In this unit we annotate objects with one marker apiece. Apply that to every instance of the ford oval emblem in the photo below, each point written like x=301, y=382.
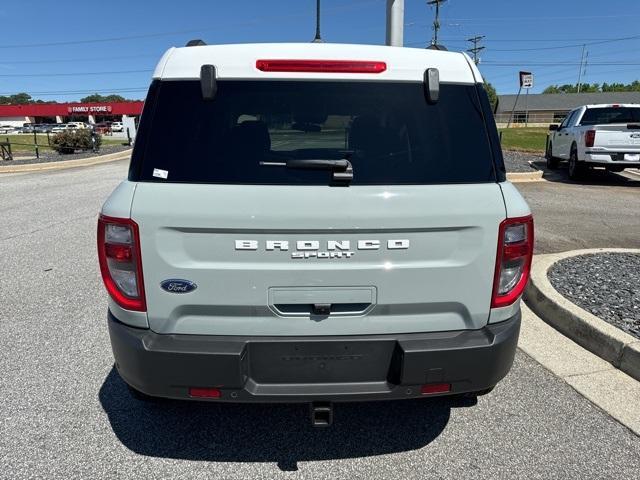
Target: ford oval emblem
x=176, y=285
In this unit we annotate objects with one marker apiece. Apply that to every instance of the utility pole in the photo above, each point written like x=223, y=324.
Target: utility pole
x=436, y=21
x=395, y=23
x=580, y=68
x=317, y=38
x=476, y=49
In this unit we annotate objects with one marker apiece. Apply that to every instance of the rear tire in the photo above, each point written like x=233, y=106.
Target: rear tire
x=576, y=169
x=552, y=162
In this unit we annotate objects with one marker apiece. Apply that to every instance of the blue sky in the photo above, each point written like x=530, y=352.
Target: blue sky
x=519, y=35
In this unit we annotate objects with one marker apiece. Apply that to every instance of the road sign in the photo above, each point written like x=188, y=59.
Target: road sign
x=526, y=80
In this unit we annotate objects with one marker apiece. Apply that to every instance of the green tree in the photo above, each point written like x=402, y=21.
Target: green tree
x=491, y=93
x=17, y=99
x=594, y=87
x=97, y=98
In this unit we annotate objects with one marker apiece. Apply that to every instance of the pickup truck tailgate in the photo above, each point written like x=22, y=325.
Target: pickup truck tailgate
x=616, y=137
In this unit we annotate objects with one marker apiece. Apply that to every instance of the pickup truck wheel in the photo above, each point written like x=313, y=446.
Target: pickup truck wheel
x=552, y=162
x=575, y=168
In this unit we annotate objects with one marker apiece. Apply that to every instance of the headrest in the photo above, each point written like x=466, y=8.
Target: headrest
x=251, y=135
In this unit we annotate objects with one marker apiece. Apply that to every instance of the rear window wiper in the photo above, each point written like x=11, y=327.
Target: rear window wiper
x=342, y=169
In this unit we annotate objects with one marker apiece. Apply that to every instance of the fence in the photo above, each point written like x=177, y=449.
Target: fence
x=7, y=150
x=524, y=118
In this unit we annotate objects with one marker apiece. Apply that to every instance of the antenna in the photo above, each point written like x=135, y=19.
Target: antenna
x=317, y=38
x=436, y=21
x=476, y=49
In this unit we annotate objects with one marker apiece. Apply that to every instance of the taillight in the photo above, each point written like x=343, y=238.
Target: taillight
x=589, y=138
x=321, y=66
x=120, y=261
x=513, y=260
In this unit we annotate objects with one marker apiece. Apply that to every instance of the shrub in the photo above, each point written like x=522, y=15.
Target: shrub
x=72, y=140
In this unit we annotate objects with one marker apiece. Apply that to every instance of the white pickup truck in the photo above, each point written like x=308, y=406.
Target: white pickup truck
x=596, y=136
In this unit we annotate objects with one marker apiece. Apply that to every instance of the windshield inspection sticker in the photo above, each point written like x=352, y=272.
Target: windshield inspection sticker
x=160, y=173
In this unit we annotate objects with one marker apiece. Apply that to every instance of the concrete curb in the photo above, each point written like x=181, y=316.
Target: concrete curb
x=608, y=342
x=81, y=162
x=518, y=177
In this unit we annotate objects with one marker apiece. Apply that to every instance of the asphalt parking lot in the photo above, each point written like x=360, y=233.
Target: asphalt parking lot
x=601, y=210
x=64, y=412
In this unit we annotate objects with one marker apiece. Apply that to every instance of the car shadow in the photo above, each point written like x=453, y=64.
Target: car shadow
x=594, y=176
x=279, y=433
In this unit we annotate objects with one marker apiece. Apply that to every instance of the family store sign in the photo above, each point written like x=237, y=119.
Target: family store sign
x=89, y=109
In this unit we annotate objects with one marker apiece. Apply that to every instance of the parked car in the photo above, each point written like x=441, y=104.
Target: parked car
x=596, y=136
x=102, y=128
x=371, y=255
x=117, y=127
x=28, y=128
x=9, y=129
x=43, y=128
x=59, y=127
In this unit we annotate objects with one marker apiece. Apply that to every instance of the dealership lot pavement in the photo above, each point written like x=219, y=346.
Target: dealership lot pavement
x=64, y=412
x=603, y=210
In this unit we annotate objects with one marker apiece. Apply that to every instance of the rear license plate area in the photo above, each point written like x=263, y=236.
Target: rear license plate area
x=320, y=362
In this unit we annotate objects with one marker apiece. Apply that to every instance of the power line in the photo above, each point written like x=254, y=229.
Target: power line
x=552, y=17
x=555, y=47
x=558, y=47
x=253, y=21
x=106, y=40
x=553, y=64
x=529, y=40
x=73, y=60
x=66, y=74
x=90, y=90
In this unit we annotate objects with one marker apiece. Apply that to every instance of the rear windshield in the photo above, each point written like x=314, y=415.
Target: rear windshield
x=605, y=115
x=386, y=130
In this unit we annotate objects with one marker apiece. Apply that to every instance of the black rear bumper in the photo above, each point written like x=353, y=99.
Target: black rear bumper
x=309, y=369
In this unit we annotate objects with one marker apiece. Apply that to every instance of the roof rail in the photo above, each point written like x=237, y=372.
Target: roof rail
x=196, y=42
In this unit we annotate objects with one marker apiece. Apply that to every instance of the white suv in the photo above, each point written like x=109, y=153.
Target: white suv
x=333, y=224
x=117, y=127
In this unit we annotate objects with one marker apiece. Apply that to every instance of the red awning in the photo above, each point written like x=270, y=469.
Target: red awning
x=66, y=109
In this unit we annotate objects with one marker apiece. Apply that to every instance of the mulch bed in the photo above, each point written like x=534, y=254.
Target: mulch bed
x=606, y=284
x=51, y=156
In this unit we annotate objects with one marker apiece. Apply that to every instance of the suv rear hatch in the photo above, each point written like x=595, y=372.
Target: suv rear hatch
x=409, y=245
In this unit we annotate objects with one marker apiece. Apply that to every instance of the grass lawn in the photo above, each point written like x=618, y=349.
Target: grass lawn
x=531, y=139
x=17, y=140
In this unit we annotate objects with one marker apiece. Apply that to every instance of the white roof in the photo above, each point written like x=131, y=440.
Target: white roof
x=610, y=105
x=239, y=62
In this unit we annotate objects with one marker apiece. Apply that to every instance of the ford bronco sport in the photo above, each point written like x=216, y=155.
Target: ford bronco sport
x=333, y=223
